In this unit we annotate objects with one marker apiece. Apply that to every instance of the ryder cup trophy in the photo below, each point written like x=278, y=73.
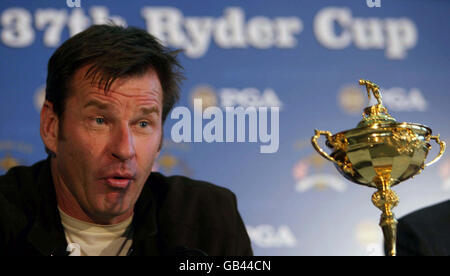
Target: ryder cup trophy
x=380, y=153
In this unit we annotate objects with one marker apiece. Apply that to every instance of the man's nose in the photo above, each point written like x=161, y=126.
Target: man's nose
x=122, y=143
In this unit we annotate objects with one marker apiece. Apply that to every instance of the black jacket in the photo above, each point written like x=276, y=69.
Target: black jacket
x=173, y=216
x=425, y=232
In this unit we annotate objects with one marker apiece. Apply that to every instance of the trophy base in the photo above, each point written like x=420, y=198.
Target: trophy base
x=389, y=227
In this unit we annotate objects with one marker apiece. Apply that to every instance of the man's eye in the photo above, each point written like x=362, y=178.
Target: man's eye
x=143, y=124
x=99, y=121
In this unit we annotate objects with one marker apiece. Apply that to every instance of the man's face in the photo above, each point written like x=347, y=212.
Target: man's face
x=109, y=142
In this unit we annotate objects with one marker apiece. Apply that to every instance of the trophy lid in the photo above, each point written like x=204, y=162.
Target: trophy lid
x=375, y=114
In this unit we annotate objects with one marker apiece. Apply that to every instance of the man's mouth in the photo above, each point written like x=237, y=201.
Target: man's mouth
x=118, y=182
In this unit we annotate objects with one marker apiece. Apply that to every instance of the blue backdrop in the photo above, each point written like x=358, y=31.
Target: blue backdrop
x=304, y=57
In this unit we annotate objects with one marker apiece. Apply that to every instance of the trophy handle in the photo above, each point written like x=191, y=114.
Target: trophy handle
x=318, y=148
x=441, y=150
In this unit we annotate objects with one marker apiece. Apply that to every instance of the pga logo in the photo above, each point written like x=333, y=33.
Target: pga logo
x=373, y=3
x=73, y=3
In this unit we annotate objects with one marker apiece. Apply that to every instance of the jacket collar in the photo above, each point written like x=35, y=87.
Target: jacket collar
x=47, y=233
x=145, y=227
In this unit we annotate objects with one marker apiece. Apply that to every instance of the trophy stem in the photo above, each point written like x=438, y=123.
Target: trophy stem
x=385, y=199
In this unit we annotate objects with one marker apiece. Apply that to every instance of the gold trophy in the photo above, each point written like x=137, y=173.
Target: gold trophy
x=380, y=153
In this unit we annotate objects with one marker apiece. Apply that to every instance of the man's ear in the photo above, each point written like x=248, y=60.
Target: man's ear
x=49, y=127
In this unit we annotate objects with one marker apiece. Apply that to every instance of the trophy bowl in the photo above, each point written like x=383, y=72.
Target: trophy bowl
x=380, y=153
x=398, y=149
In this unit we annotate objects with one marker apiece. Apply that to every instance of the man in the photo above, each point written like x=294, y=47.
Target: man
x=109, y=91
x=425, y=232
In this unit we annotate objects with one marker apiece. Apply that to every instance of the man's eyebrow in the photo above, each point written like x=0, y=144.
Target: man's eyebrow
x=103, y=106
x=97, y=104
x=149, y=110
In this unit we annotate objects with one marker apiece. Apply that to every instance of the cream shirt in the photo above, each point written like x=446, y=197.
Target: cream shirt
x=88, y=239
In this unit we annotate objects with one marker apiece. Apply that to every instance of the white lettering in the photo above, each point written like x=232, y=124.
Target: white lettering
x=249, y=97
x=229, y=30
x=401, y=36
x=198, y=120
x=241, y=114
x=199, y=29
x=266, y=236
x=56, y=21
x=194, y=34
x=398, y=99
x=264, y=136
x=195, y=266
x=165, y=24
x=368, y=33
x=324, y=27
x=373, y=3
x=73, y=3
x=260, y=32
x=17, y=30
x=286, y=28
x=183, y=125
x=336, y=29
x=78, y=22
x=213, y=130
x=215, y=125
